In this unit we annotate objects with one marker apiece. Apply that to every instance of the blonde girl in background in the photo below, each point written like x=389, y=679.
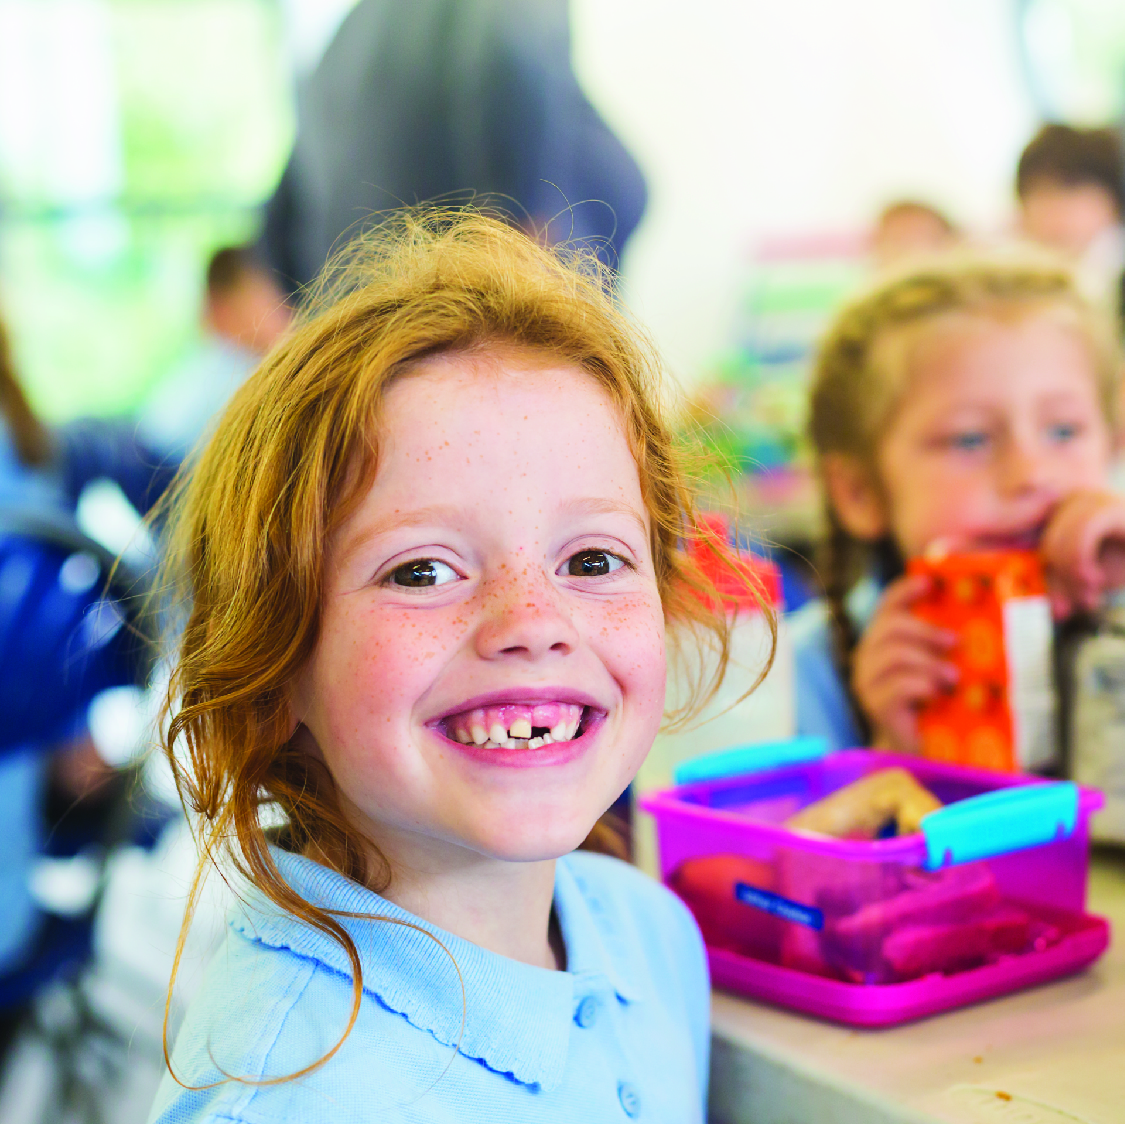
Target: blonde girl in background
x=970, y=402
x=429, y=557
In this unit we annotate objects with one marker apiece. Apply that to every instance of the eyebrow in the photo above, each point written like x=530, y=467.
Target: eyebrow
x=416, y=517
x=593, y=506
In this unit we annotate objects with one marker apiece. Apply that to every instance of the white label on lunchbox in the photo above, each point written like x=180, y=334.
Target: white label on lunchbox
x=1028, y=634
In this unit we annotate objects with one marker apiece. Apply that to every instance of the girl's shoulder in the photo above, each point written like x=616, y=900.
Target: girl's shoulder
x=265, y=1015
x=232, y=1029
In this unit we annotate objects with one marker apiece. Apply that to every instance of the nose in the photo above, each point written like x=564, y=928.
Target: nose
x=524, y=619
x=1023, y=467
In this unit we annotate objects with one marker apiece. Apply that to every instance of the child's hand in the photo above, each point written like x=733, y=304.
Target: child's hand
x=1083, y=548
x=899, y=664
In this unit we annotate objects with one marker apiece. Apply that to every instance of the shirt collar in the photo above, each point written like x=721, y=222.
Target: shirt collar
x=516, y=1017
x=597, y=945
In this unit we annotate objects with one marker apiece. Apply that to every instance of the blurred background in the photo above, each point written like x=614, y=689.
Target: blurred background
x=136, y=136
x=172, y=171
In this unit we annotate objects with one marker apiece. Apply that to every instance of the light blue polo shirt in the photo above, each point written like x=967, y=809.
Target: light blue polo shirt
x=623, y=1034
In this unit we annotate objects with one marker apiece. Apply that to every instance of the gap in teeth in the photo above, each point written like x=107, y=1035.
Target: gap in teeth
x=516, y=726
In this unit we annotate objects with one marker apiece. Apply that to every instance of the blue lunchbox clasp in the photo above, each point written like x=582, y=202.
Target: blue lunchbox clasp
x=996, y=823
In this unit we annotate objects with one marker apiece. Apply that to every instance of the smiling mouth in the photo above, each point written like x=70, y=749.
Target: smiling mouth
x=518, y=725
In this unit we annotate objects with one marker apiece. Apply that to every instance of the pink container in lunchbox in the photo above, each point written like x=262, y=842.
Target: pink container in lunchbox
x=988, y=898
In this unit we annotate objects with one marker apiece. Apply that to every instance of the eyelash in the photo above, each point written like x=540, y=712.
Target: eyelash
x=968, y=442
x=1066, y=431
x=972, y=441
x=626, y=564
x=387, y=580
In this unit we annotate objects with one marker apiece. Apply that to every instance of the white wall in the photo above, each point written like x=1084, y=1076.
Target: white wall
x=754, y=118
x=768, y=117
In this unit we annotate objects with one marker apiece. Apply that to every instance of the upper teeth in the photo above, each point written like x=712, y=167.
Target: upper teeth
x=499, y=727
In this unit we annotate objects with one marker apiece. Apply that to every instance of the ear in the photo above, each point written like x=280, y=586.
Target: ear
x=303, y=740
x=855, y=497
x=301, y=737
x=296, y=705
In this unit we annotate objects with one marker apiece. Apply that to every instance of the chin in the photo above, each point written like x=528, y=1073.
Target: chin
x=538, y=843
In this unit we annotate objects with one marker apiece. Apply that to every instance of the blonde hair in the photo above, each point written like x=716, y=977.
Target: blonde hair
x=295, y=451
x=862, y=372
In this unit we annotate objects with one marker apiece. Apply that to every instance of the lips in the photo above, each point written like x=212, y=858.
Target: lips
x=1022, y=536
x=1026, y=539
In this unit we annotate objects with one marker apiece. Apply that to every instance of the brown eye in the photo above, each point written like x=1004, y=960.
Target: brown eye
x=421, y=573
x=592, y=564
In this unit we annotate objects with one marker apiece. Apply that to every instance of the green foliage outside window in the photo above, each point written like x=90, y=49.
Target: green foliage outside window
x=135, y=137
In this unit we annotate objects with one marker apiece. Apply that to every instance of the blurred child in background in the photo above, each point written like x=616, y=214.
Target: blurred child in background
x=244, y=314
x=908, y=228
x=972, y=403
x=1071, y=188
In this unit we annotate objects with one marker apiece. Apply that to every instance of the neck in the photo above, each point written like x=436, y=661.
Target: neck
x=504, y=907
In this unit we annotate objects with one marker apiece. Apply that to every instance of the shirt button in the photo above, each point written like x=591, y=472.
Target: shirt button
x=587, y=1012
x=630, y=1099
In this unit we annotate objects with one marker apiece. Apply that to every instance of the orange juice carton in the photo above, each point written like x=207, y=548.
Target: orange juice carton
x=1001, y=714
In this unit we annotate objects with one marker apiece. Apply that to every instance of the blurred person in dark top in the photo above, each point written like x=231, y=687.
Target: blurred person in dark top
x=418, y=100
x=244, y=314
x=1071, y=191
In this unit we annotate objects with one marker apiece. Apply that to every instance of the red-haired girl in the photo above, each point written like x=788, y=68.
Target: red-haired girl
x=429, y=555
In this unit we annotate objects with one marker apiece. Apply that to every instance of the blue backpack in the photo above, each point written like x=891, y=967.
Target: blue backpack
x=70, y=624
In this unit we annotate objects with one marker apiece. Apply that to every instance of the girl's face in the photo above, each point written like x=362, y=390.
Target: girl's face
x=1000, y=421
x=489, y=672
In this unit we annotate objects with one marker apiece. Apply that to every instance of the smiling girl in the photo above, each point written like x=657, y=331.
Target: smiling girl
x=430, y=554
x=969, y=404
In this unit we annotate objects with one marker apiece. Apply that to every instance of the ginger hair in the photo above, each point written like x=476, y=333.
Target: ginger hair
x=294, y=452
x=863, y=365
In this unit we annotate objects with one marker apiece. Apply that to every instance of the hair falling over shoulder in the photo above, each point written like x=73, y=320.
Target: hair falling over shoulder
x=298, y=446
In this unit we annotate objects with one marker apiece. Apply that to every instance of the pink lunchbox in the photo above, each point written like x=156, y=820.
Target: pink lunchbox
x=988, y=898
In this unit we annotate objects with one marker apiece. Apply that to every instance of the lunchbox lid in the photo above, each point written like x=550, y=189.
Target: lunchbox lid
x=751, y=757
x=1012, y=813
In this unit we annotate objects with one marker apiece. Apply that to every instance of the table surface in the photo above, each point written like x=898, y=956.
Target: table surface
x=1052, y=1054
